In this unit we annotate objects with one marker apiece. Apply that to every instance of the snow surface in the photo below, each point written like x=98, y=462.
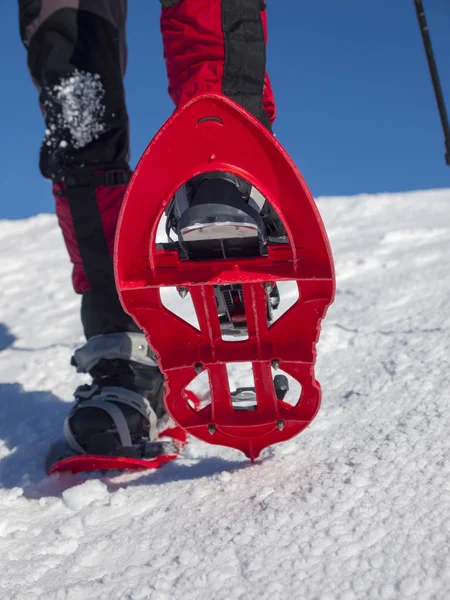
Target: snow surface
x=355, y=507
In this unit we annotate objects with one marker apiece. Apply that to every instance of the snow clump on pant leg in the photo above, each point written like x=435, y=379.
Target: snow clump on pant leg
x=74, y=106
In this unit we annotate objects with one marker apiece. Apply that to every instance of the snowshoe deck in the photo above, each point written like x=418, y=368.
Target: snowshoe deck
x=212, y=133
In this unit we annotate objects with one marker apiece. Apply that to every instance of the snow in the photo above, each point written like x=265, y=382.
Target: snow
x=80, y=110
x=356, y=507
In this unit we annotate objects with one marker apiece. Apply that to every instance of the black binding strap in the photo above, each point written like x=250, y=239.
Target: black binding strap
x=109, y=177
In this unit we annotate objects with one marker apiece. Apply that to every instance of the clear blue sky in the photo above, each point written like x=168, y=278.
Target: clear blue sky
x=355, y=104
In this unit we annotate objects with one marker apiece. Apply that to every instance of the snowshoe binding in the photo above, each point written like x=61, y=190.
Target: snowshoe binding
x=116, y=421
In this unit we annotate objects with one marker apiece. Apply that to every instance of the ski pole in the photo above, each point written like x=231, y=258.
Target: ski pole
x=434, y=76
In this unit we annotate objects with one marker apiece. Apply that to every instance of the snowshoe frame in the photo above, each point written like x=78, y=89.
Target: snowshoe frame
x=213, y=133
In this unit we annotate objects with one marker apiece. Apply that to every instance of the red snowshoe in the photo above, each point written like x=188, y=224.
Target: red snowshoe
x=241, y=223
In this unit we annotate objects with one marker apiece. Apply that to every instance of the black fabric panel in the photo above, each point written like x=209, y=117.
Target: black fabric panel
x=28, y=11
x=168, y=3
x=71, y=42
x=245, y=55
x=101, y=313
x=90, y=236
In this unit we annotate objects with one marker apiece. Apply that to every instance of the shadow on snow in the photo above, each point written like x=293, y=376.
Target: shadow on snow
x=7, y=339
x=29, y=422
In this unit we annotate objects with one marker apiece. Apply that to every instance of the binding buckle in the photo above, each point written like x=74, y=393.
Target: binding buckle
x=116, y=178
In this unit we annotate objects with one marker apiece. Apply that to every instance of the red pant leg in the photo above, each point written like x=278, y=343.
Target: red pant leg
x=218, y=46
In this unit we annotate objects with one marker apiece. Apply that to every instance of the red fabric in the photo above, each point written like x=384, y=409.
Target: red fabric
x=268, y=97
x=79, y=279
x=109, y=201
x=193, y=48
x=194, y=51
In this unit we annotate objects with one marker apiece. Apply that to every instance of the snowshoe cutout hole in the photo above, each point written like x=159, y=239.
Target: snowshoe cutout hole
x=231, y=312
x=287, y=388
x=242, y=386
x=179, y=302
x=209, y=119
x=198, y=392
x=280, y=299
x=161, y=235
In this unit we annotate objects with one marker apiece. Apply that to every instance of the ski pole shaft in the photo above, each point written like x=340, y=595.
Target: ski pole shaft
x=434, y=76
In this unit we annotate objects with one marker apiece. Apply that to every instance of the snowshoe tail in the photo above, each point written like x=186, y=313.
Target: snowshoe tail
x=237, y=274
